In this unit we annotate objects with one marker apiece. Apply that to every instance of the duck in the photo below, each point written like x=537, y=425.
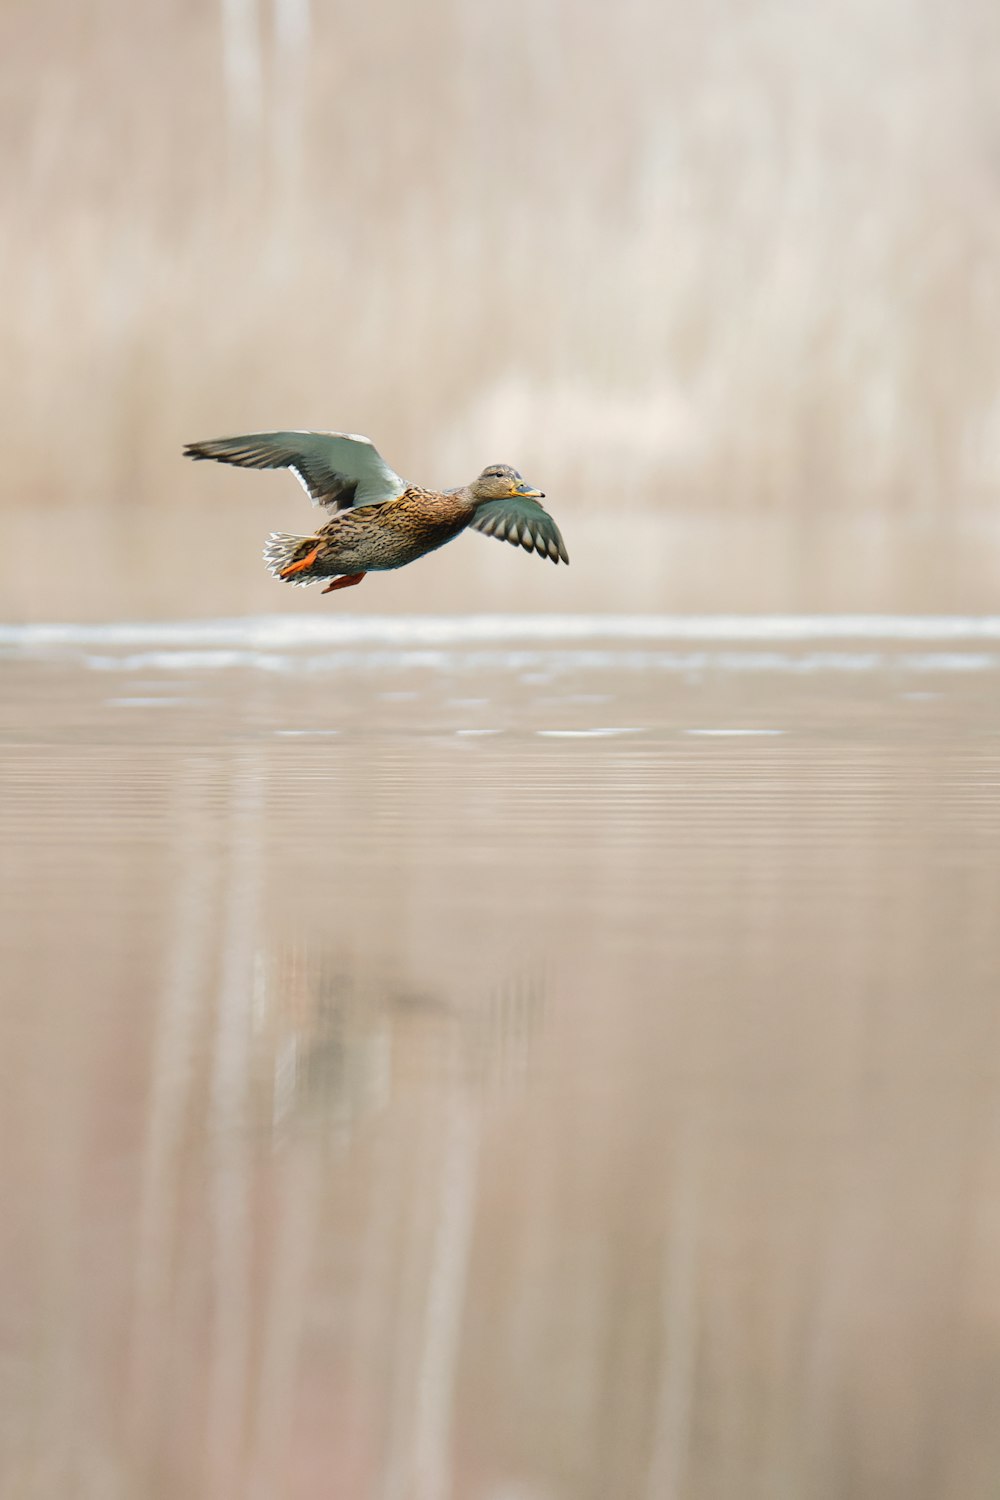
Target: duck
x=377, y=520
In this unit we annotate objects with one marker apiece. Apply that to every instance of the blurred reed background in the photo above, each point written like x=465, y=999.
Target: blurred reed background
x=729, y=272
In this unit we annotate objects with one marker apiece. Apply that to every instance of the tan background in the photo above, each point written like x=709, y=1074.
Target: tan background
x=723, y=280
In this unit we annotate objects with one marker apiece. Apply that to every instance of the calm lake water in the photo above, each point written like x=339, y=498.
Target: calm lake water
x=501, y=1060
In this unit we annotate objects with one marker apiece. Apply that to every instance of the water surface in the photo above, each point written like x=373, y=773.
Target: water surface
x=537, y=1060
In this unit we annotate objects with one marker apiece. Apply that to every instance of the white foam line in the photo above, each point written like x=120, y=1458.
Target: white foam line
x=555, y=660
x=729, y=732
x=271, y=632
x=583, y=734
x=146, y=702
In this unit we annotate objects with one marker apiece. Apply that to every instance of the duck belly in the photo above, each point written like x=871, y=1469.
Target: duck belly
x=394, y=548
x=373, y=539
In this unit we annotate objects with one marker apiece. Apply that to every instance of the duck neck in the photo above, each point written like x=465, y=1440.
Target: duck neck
x=463, y=502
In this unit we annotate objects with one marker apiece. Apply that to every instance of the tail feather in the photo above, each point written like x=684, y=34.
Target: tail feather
x=288, y=558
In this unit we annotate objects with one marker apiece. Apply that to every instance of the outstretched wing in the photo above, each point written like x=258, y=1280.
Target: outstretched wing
x=336, y=469
x=523, y=523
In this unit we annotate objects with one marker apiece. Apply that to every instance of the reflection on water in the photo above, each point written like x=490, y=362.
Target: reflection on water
x=501, y=1070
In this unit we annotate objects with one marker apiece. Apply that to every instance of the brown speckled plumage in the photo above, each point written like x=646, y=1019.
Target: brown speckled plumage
x=378, y=521
x=378, y=537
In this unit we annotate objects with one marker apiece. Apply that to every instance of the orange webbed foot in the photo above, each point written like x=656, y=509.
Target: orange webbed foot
x=347, y=582
x=301, y=565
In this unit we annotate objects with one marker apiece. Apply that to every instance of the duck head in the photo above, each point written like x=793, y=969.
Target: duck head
x=501, y=482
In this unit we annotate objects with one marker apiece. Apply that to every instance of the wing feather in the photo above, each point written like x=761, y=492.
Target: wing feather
x=524, y=523
x=336, y=469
